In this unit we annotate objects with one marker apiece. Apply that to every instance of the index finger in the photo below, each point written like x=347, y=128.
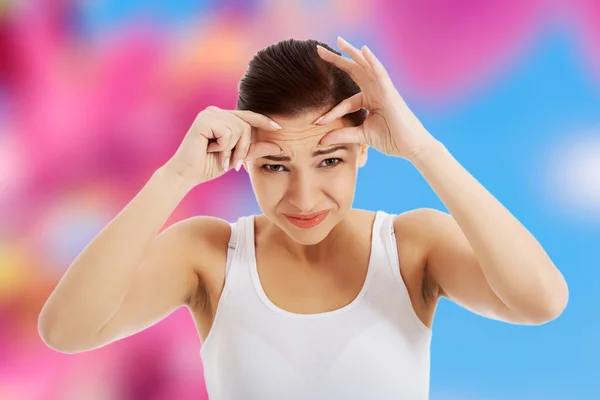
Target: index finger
x=257, y=120
x=345, y=64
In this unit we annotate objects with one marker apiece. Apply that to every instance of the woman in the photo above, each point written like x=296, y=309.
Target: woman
x=313, y=299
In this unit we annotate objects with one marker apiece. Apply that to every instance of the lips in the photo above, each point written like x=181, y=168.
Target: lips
x=307, y=220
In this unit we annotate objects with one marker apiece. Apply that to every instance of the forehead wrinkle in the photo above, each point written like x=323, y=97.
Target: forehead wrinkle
x=295, y=146
x=288, y=135
x=299, y=132
x=291, y=137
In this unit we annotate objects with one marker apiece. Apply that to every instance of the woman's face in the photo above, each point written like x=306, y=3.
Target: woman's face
x=307, y=189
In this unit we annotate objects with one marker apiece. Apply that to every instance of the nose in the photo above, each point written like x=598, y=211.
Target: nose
x=303, y=191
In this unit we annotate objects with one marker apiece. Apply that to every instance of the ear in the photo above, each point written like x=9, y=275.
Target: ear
x=362, y=154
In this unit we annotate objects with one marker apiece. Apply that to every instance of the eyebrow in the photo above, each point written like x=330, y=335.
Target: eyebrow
x=316, y=153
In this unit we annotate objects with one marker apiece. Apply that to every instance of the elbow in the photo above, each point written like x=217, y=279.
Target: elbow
x=551, y=305
x=52, y=340
x=55, y=338
x=545, y=315
x=56, y=341
x=558, y=298
x=559, y=303
x=52, y=337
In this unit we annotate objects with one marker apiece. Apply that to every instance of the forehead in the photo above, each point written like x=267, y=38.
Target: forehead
x=299, y=130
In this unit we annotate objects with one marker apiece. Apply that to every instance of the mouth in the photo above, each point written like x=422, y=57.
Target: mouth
x=307, y=220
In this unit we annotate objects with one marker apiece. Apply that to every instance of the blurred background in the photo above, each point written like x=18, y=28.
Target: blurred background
x=95, y=95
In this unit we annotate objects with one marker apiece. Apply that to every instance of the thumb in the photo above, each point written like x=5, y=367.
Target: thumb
x=351, y=134
x=262, y=149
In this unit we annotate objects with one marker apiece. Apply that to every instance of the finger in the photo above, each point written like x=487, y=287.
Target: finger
x=221, y=136
x=241, y=149
x=214, y=147
x=226, y=137
x=374, y=62
x=262, y=149
x=352, y=134
x=225, y=143
x=225, y=160
x=353, y=52
x=345, y=64
x=257, y=120
x=347, y=106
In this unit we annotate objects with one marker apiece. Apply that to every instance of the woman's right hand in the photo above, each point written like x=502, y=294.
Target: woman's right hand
x=219, y=140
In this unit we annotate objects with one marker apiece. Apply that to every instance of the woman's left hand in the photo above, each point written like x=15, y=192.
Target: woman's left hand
x=390, y=126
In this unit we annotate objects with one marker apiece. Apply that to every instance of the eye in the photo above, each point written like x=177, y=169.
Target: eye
x=273, y=168
x=330, y=162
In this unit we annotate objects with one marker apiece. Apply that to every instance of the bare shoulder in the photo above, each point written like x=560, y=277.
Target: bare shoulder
x=413, y=239
x=209, y=230
x=419, y=220
x=419, y=228
x=206, y=239
x=199, y=243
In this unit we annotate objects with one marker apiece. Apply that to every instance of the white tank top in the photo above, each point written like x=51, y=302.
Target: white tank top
x=373, y=348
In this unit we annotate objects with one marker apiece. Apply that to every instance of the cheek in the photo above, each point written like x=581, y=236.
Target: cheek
x=340, y=183
x=268, y=189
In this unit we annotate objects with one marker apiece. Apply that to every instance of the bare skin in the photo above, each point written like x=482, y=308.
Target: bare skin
x=112, y=290
x=328, y=284
x=478, y=255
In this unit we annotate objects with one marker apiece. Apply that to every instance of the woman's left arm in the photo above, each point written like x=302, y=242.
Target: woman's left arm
x=482, y=239
x=480, y=256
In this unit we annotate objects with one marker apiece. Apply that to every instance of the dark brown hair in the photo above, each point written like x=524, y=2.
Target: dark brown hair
x=289, y=78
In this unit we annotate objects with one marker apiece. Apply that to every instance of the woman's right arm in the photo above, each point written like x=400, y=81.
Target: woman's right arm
x=126, y=260
x=129, y=276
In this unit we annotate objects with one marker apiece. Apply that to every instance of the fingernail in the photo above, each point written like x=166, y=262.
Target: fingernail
x=226, y=164
x=319, y=120
x=344, y=41
x=238, y=165
x=275, y=125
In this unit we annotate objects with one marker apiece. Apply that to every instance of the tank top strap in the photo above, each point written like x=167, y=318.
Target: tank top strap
x=232, y=245
x=382, y=233
x=386, y=244
x=379, y=222
x=237, y=247
x=386, y=223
